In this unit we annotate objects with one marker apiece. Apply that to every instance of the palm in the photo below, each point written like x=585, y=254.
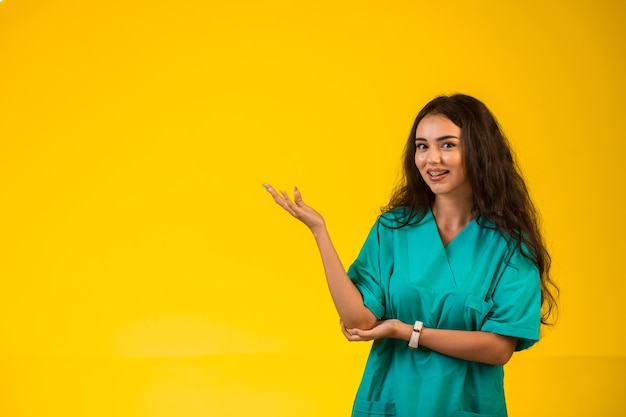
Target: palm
x=297, y=208
x=383, y=329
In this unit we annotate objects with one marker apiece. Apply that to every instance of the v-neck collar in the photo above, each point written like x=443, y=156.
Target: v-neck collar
x=469, y=225
x=448, y=251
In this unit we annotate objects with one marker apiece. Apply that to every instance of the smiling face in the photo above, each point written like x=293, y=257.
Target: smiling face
x=439, y=157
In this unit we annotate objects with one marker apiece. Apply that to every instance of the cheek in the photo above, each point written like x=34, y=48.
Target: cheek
x=420, y=159
x=462, y=163
x=455, y=159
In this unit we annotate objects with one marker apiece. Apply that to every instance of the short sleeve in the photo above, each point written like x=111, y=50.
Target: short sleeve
x=516, y=310
x=365, y=273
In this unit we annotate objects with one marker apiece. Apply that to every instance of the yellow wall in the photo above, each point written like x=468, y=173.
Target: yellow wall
x=145, y=272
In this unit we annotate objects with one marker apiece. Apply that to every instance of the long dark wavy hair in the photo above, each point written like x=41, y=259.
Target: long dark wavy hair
x=501, y=198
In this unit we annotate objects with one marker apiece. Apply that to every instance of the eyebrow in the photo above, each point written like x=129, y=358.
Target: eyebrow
x=440, y=138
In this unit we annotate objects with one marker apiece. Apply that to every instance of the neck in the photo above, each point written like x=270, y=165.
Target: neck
x=452, y=213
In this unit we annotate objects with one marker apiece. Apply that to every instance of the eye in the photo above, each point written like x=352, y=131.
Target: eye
x=448, y=145
x=420, y=146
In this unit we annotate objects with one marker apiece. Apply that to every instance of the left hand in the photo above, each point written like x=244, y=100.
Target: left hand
x=384, y=329
x=297, y=208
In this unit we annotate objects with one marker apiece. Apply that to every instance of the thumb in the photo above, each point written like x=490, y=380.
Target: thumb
x=297, y=197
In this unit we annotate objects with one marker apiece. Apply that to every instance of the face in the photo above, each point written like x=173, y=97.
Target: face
x=439, y=156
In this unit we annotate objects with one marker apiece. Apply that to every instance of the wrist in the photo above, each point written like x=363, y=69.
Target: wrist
x=403, y=331
x=319, y=230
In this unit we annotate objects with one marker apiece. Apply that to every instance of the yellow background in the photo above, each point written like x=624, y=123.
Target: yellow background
x=145, y=272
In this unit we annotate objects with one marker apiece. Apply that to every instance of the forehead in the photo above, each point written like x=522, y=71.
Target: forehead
x=433, y=126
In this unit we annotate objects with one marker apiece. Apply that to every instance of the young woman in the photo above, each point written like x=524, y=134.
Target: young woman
x=453, y=277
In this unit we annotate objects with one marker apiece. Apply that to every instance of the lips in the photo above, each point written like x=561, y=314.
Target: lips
x=436, y=174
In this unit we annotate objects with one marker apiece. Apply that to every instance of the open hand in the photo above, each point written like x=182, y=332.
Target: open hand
x=384, y=329
x=297, y=208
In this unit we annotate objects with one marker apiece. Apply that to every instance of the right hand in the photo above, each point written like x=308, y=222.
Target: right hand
x=297, y=208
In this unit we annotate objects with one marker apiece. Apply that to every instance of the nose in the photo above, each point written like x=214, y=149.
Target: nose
x=434, y=155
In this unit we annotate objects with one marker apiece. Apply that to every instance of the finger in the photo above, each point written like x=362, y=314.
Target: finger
x=349, y=336
x=292, y=206
x=345, y=330
x=360, y=335
x=297, y=197
x=272, y=192
x=268, y=188
x=281, y=201
x=345, y=333
x=287, y=204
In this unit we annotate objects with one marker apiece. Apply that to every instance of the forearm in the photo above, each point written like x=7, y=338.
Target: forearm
x=476, y=346
x=346, y=297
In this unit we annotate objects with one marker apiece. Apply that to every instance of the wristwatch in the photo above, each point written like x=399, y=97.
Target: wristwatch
x=415, y=336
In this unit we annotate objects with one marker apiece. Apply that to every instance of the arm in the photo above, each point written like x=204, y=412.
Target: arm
x=346, y=297
x=476, y=346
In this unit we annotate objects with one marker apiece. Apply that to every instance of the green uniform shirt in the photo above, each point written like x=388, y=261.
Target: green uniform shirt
x=479, y=281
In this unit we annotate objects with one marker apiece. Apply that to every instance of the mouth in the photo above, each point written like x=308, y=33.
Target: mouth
x=436, y=174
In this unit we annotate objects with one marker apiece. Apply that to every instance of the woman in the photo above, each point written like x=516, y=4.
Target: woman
x=455, y=267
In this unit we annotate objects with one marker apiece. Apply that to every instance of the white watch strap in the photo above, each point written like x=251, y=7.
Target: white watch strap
x=415, y=336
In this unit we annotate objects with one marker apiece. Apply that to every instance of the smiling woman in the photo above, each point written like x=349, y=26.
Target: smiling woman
x=453, y=276
x=439, y=157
